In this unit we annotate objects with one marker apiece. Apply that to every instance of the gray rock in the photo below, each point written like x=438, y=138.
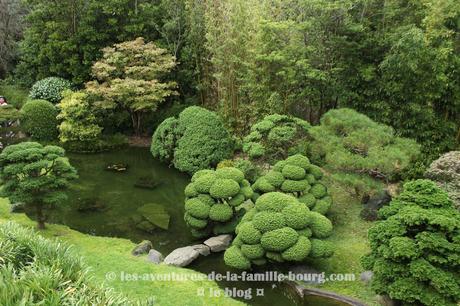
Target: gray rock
x=385, y=300
x=154, y=256
x=372, y=205
x=17, y=207
x=219, y=243
x=202, y=249
x=142, y=248
x=182, y=257
x=366, y=276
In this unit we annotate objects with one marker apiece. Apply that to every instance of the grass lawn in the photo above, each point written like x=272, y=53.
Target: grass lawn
x=106, y=255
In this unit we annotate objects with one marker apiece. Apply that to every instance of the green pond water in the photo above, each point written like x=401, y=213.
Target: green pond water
x=115, y=191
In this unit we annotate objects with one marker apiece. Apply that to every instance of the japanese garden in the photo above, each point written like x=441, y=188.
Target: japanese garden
x=230, y=152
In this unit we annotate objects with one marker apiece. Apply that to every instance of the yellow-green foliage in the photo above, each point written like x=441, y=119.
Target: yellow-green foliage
x=279, y=229
x=213, y=200
x=297, y=176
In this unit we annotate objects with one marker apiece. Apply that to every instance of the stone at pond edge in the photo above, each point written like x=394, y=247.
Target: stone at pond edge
x=219, y=243
x=147, y=182
x=17, y=207
x=154, y=256
x=142, y=248
x=385, y=300
x=372, y=205
x=366, y=276
x=202, y=249
x=181, y=257
x=155, y=214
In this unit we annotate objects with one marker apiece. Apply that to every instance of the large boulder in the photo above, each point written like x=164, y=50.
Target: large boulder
x=372, y=205
x=182, y=257
x=218, y=243
x=154, y=256
x=142, y=248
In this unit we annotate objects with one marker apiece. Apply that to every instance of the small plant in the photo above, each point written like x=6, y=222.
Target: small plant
x=279, y=228
x=214, y=201
x=49, y=89
x=38, y=119
x=296, y=176
x=415, y=249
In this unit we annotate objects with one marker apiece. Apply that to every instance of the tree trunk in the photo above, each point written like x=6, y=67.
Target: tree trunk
x=40, y=217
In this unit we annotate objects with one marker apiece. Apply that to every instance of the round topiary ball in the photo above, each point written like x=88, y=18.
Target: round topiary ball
x=224, y=188
x=39, y=119
x=50, y=89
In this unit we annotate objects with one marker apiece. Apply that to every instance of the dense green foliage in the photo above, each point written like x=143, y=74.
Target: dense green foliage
x=416, y=247
x=35, y=175
x=9, y=113
x=78, y=122
x=445, y=171
x=276, y=136
x=35, y=270
x=296, y=176
x=196, y=140
x=213, y=201
x=16, y=95
x=38, y=119
x=279, y=228
x=49, y=89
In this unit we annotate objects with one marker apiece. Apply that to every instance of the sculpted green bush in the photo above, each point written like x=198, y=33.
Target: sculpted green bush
x=415, y=249
x=279, y=228
x=196, y=140
x=213, y=201
x=296, y=176
x=38, y=119
x=445, y=171
x=275, y=137
x=49, y=89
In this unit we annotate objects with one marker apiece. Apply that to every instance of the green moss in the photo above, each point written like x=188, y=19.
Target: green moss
x=248, y=233
x=293, y=172
x=266, y=221
x=234, y=258
x=318, y=190
x=298, y=251
x=294, y=186
x=230, y=173
x=220, y=212
x=279, y=240
x=320, y=225
x=197, y=209
x=224, y=188
x=252, y=251
x=296, y=216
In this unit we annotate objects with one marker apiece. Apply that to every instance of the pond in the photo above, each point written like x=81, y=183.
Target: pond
x=114, y=200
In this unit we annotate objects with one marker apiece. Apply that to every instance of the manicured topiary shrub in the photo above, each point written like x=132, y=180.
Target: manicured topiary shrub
x=196, y=140
x=350, y=142
x=49, y=89
x=275, y=137
x=213, y=201
x=38, y=119
x=445, y=171
x=279, y=228
x=415, y=248
x=297, y=176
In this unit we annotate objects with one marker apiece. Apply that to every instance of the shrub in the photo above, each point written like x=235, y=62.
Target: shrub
x=49, y=89
x=297, y=176
x=415, y=248
x=196, y=140
x=37, y=271
x=278, y=228
x=275, y=137
x=39, y=119
x=445, y=171
x=214, y=201
x=349, y=142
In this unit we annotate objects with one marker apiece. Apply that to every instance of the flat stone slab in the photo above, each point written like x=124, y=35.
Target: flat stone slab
x=202, y=249
x=154, y=256
x=182, y=257
x=219, y=243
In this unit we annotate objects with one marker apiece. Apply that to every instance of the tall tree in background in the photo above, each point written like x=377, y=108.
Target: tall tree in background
x=131, y=76
x=11, y=27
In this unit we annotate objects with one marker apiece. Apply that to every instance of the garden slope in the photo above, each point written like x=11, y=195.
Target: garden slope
x=106, y=255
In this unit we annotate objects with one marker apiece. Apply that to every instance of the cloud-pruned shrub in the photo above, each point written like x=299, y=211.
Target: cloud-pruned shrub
x=278, y=229
x=49, y=89
x=38, y=119
x=213, y=201
x=275, y=137
x=296, y=176
x=195, y=141
x=415, y=248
